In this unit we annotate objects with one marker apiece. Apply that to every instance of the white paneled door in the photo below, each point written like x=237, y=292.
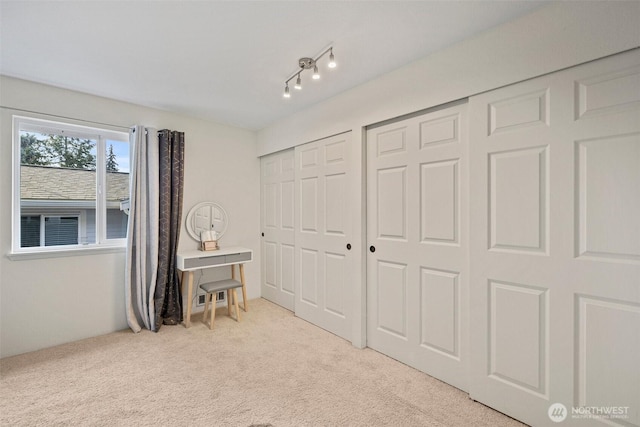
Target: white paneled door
x=278, y=228
x=417, y=293
x=324, y=259
x=555, y=246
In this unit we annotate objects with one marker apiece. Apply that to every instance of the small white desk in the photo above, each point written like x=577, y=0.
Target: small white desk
x=188, y=262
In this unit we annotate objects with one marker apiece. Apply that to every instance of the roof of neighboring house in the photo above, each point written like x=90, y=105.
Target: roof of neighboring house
x=55, y=183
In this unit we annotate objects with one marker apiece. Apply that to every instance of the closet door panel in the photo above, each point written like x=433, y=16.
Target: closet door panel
x=277, y=182
x=324, y=267
x=555, y=232
x=417, y=306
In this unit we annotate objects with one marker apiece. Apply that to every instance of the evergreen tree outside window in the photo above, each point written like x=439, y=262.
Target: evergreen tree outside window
x=112, y=160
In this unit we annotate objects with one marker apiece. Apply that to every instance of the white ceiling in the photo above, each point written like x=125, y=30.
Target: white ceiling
x=227, y=61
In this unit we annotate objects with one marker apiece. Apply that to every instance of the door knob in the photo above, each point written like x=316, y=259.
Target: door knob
x=348, y=246
x=372, y=249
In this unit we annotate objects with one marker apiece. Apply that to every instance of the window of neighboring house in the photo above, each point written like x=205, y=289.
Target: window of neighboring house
x=71, y=186
x=47, y=230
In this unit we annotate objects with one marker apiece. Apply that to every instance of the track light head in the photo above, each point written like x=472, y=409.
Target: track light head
x=286, y=91
x=332, y=60
x=298, y=84
x=316, y=75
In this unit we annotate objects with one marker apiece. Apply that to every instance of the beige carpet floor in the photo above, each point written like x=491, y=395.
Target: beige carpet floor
x=270, y=369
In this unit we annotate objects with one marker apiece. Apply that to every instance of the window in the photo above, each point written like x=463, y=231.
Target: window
x=44, y=230
x=71, y=186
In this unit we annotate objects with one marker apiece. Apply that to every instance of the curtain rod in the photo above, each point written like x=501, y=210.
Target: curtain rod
x=127, y=128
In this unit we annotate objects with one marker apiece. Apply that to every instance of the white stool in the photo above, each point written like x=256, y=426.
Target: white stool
x=212, y=289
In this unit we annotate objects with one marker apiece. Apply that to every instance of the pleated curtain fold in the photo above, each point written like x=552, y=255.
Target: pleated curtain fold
x=152, y=288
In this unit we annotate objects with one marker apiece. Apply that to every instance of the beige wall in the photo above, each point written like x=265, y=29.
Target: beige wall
x=44, y=302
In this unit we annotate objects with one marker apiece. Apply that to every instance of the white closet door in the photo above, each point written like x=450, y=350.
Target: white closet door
x=278, y=228
x=555, y=255
x=324, y=204
x=417, y=296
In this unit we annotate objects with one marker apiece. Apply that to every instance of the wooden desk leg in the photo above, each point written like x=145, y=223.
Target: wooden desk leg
x=189, y=280
x=244, y=289
x=229, y=293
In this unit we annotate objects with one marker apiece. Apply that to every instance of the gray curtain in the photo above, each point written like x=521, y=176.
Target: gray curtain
x=168, y=298
x=152, y=287
x=142, y=232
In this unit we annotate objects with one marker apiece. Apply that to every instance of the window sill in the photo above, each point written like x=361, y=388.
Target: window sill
x=70, y=252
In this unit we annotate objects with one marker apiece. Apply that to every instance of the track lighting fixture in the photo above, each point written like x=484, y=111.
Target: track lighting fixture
x=307, y=64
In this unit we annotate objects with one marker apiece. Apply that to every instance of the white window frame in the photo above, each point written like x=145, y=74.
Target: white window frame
x=100, y=135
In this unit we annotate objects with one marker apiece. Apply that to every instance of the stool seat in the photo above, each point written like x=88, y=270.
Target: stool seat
x=220, y=285
x=212, y=289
